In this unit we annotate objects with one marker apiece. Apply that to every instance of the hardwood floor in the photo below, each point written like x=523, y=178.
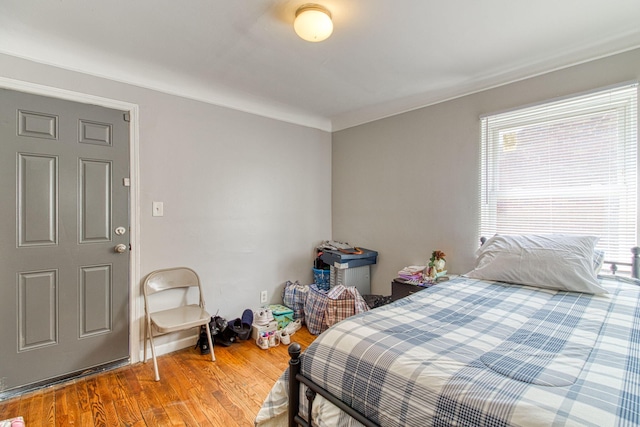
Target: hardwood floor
x=192, y=391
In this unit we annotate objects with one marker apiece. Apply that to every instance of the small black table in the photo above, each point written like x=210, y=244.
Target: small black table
x=401, y=288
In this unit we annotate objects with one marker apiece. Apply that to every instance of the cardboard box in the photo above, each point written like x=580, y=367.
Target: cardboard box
x=256, y=330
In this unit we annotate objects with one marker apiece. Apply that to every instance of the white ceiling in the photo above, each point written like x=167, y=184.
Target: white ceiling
x=384, y=57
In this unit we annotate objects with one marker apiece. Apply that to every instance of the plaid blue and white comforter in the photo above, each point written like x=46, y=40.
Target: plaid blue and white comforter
x=476, y=353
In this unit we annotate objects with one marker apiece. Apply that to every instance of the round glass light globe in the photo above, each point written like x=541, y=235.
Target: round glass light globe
x=313, y=25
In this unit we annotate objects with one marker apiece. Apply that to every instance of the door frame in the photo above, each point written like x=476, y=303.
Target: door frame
x=135, y=302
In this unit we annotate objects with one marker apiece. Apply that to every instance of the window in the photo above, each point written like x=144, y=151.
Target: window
x=566, y=166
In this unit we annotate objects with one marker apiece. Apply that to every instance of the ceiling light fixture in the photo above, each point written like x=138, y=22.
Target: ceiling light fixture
x=313, y=23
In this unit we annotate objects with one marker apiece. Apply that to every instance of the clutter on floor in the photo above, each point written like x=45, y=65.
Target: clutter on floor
x=348, y=266
x=294, y=296
x=375, y=301
x=281, y=314
x=242, y=326
x=320, y=305
x=323, y=308
x=12, y=422
x=225, y=333
x=321, y=272
x=341, y=284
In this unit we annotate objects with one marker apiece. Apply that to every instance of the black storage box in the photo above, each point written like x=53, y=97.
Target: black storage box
x=343, y=260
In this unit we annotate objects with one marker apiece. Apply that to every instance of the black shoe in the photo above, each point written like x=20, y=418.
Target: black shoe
x=226, y=338
x=241, y=330
x=203, y=342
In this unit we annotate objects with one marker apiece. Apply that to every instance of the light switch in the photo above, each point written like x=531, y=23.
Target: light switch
x=158, y=209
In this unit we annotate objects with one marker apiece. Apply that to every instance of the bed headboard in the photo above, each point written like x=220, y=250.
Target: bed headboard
x=614, y=266
x=634, y=264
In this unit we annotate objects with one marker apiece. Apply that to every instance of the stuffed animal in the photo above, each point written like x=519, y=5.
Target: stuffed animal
x=436, y=264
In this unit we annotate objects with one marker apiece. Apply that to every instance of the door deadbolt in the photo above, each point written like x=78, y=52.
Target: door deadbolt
x=120, y=231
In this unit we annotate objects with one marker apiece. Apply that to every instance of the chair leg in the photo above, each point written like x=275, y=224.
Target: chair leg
x=213, y=357
x=146, y=337
x=153, y=354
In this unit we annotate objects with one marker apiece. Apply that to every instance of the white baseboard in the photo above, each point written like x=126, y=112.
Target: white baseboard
x=168, y=347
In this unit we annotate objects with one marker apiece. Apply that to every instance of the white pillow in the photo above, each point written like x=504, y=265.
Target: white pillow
x=598, y=261
x=553, y=261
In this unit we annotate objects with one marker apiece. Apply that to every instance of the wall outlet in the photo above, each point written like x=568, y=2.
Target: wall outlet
x=263, y=297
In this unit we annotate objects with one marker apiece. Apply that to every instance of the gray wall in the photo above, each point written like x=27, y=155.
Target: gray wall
x=409, y=184
x=246, y=198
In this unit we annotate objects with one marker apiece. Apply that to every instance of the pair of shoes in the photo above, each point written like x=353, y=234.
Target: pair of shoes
x=262, y=342
x=242, y=326
x=203, y=342
x=226, y=338
x=285, y=338
x=221, y=332
x=217, y=325
x=292, y=327
x=263, y=317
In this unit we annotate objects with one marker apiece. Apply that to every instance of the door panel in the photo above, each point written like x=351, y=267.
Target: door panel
x=95, y=133
x=64, y=291
x=37, y=309
x=95, y=300
x=37, y=125
x=37, y=200
x=95, y=201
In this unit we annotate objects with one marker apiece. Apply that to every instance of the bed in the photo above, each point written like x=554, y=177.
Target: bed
x=480, y=351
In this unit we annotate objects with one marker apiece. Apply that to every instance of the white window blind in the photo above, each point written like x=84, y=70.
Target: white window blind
x=566, y=166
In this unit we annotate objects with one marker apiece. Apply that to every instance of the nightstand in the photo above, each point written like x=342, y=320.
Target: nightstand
x=400, y=288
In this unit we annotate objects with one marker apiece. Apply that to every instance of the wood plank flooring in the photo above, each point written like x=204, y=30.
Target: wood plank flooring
x=192, y=391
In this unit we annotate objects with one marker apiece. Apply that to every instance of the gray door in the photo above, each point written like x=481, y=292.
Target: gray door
x=64, y=289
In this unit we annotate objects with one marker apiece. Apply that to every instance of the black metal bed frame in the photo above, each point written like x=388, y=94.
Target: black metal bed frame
x=634, y=264
x=296, y=378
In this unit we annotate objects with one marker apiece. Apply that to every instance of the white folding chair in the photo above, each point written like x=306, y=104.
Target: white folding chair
x=177, y=318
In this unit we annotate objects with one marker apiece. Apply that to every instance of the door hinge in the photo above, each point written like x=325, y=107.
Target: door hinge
x=127, y=117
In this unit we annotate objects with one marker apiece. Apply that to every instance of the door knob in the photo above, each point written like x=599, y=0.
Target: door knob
x=120, y=248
